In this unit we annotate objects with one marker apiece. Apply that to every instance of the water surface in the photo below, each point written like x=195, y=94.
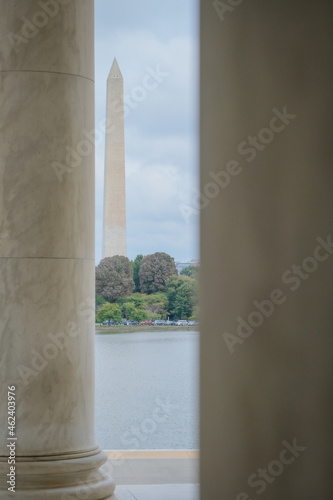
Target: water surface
x=147, y=390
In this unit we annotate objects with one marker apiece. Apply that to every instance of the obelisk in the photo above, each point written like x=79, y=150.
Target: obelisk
x=114, y=223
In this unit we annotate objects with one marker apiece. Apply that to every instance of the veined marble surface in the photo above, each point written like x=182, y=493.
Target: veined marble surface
x=48, y=347
x=47, y=248
x=46, y=164
x=30, y=40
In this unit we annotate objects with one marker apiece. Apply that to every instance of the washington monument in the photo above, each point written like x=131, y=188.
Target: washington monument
x=114, y=223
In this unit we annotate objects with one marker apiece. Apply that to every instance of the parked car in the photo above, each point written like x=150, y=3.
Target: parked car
x=159, y=322
x=181, y=322
x=193, y=323
x=146, y=323
x=133, y=323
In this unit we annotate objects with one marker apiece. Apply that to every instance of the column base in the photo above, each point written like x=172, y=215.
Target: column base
x=74, y=476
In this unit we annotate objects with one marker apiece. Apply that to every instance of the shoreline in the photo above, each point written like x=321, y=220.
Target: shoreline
x=102, y=330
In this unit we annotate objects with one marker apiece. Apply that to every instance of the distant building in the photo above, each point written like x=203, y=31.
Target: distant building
x=186, y=263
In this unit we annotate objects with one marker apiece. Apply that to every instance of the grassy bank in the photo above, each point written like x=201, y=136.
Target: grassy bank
x=143, y=328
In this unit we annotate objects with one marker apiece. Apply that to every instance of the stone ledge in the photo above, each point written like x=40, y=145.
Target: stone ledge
x=152, y=454
x=153, y=467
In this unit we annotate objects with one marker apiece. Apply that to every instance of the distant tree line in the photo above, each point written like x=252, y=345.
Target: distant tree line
x=147, y=288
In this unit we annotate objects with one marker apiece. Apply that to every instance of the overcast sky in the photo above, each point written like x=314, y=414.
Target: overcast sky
x=161, y=126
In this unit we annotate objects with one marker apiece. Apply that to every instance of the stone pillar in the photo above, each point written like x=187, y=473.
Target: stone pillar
x=47, y=249
x=266, y=250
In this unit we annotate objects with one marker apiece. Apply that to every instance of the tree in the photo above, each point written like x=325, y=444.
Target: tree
x=136, y=267
x=114, y=278
x=155, y=269
x=140, y=315
x=138, y=299
x=190, y=271
x=132, y=313
x=128, y=310
x=99, y=301
x=195, y=314
x=157, y=303
x=182, y=296
x=143, y=306
x=186, y=299
x=109, y=312
x=172, y=287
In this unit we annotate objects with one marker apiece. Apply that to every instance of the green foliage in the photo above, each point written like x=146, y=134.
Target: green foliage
x=128, y=310
x=134, y=313
x=138, y=300
x=195, y=314
x=172, y=287
x=136, y=267
x=186, y=299
x=99, y=301
x=155, y=269
x=166, y=293
x=182, y=296
x=109, y=312
x=140, y=315
x=157, y=297
x=114, y=278
x=151, y=316
x=153, y=306
x=157, y=303
x=190, y=271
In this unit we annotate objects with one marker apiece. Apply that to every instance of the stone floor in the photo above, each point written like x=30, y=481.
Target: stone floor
x=155, y=475
x=158, y=492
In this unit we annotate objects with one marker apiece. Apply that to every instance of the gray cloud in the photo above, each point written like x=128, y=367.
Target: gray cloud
x=161, y=137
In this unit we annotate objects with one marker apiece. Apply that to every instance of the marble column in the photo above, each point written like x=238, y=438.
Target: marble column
x=47, y=250
x=266, y=250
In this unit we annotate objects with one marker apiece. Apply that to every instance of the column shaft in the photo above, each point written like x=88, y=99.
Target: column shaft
x=47, y=248
x=266, y=250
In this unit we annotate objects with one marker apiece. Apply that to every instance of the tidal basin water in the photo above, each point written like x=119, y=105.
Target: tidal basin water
x=147, y=390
